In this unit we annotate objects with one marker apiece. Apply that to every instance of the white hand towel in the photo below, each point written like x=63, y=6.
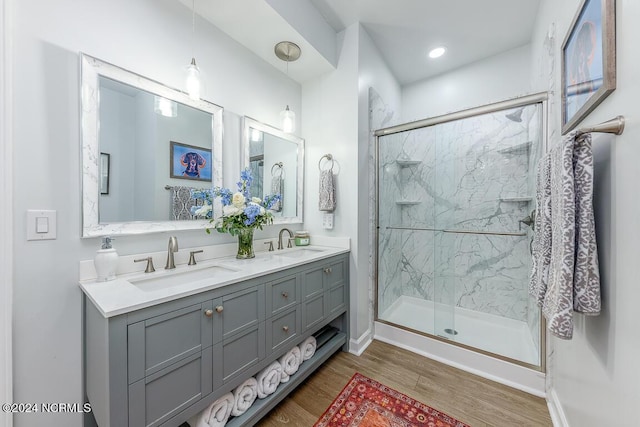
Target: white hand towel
x=277, y=187
x=327, y=196
x=290, y=363
x=216, y=414
x=308, y=348
x=244, y=396
x=268, y=379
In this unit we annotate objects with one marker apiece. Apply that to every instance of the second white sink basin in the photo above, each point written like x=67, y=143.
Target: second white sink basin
x=179, y=278
x=298, y=253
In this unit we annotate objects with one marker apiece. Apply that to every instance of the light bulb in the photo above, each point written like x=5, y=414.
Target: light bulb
x=193, y=80
x=437, y=52
x=288, y=119
x=256, y=135
x=165, y=107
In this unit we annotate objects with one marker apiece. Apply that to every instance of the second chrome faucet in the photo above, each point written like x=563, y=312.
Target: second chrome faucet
x=173, y=248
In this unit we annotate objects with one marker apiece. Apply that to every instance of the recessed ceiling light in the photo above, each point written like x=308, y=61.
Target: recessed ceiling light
x=437, y=52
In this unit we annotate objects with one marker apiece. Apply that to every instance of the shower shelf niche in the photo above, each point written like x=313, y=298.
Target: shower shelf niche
x=525, y=199
x=516, y=149
x=406, y=163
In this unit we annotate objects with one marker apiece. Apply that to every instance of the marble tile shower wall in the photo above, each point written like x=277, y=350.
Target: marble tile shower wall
x=469, y=175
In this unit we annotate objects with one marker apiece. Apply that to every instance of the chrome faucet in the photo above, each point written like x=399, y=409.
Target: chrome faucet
x=280, y=245
x=173, y=247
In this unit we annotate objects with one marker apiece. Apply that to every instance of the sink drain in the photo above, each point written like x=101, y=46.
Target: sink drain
x=451, y=331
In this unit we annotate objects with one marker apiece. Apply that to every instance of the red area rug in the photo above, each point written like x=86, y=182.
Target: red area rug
x=367, y=403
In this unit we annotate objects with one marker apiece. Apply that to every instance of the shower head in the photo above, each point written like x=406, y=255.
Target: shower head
x=515, y=116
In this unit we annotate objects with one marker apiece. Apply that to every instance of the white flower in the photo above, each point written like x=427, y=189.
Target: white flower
x=203, y=210
x=238, y=200
x=231, y=210
x=256, y=200
x=262, y=210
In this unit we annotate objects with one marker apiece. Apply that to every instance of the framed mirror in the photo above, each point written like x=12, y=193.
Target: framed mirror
x=159, y=144
x=276, y=160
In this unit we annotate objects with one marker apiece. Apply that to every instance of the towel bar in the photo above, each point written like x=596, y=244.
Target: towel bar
x=615, y=126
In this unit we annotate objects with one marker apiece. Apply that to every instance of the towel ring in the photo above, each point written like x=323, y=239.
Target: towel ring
x=329, y=157
x=279, y=165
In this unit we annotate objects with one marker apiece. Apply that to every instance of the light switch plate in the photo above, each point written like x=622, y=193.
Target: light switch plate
x=327, y=221
x=41, y=224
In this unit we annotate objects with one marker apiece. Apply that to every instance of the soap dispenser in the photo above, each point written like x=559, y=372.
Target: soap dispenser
x=106, y=260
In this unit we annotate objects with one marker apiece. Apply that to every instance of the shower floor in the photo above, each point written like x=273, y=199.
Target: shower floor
x=506, y=337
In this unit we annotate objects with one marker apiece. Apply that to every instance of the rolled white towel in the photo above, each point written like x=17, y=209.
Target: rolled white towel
x=268, y=379
x=290, y=363
x=308, y=348
x=245, y=394
x=216, y=414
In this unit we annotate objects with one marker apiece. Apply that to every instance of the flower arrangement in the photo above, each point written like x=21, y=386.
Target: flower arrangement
x=241, y=213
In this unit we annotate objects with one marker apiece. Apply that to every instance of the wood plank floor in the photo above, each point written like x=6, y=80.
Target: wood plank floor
x=469, y=398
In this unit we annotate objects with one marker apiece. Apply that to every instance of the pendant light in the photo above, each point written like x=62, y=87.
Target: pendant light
x=288, y=52
x=193, y=83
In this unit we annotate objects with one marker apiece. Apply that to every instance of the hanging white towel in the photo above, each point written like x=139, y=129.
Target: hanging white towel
x=327, y=195
x=308, y=348
x=290, y=363
x=268, y=379
x=277, y=187
x=244, y=396
x=215, y=415
x=570, y=250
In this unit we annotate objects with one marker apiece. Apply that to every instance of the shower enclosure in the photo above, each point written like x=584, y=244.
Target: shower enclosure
x=454, y=215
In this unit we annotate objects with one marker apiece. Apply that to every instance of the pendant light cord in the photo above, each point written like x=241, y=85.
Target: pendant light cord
x=193, y=29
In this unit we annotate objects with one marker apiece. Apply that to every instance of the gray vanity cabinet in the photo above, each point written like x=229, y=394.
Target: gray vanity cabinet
x=160, y=365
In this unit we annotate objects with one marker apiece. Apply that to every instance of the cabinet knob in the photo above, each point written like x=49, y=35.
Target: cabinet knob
x=219, y=309
x=285, y=328
x=285, y=294
x=327, y=270
x=208, y=312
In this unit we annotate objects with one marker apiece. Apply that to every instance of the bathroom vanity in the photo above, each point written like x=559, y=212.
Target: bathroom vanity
x=159, y=348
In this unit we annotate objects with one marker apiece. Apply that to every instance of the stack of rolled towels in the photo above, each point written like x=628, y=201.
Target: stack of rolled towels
x=262, y=385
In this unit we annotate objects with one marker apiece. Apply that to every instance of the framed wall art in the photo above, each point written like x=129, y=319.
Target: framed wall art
x=190, y=162
x=588, y=61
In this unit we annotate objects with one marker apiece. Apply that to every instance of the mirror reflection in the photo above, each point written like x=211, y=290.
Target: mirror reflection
x=276, y=162
x=145, y=147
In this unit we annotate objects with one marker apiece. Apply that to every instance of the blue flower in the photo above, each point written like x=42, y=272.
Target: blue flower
x=251, y=211
x=225, y=195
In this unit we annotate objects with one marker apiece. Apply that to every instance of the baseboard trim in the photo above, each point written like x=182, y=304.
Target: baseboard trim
x=558, y=417
x=358, y=346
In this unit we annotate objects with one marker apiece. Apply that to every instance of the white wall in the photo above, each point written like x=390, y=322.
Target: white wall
x=494, y=79
x=595, y=377
x=6, y=214
x=152, y=38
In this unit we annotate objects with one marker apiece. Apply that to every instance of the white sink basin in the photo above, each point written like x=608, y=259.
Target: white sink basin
x=179, y=278
x=298, y=253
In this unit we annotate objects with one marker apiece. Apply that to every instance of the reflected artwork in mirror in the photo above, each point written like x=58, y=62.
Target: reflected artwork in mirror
x=276, y=160
x=157, y=139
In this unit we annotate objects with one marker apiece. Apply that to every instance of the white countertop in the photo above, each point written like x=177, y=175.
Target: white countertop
x=134, y=291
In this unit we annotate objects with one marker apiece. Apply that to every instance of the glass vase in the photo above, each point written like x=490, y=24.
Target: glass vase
x=245, y=244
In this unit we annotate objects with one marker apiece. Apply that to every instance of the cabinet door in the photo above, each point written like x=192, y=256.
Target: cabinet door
x=160, y=341
x=282, y=294
x=160, y=396
x=237, y=353
x=239, y=311
x=313, y=311
x=313, y=282
x=334, y=274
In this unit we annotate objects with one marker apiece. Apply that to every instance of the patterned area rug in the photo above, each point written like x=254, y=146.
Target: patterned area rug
x=367, y=403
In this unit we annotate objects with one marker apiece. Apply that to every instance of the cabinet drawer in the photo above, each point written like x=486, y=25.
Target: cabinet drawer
x=238, y=353
x=282, y=294
x=155, y=399
x=160, y=341
x=283, y=329
x=239, y=310
x=313, y=311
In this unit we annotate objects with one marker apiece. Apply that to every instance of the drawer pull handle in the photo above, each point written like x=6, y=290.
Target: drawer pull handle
x=285, y=328
x=285, y=295
x=219, y=309
x=327, y=270
x=208, y=312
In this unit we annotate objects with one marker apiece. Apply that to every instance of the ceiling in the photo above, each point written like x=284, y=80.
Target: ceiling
x=403, y=30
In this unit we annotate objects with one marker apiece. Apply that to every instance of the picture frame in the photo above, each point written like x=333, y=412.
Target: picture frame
x=105, y=165
x=190, y=162
x=588, y=61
